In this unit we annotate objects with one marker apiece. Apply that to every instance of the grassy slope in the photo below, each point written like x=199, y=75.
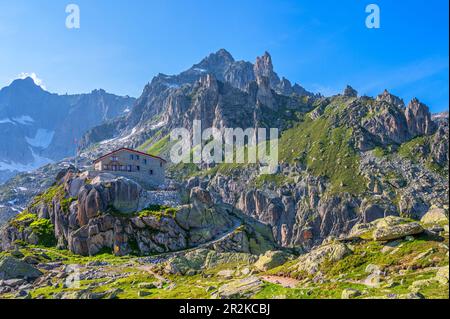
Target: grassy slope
x=323, y=149
x=405, y=263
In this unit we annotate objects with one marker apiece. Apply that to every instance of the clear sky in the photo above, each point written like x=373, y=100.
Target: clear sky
x=323, y=45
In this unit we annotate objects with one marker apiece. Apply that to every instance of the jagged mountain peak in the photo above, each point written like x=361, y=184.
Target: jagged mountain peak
x=350, y=92
x=416, y=106
x=225, y=54
x=264, y=67
x=415, y=102
x=390, y=98
x=219, y=60
x=266, y=58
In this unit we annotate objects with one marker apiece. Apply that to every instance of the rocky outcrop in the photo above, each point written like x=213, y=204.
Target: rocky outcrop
x=386, y=229
x=396, y=231
x=298, y=214
x=193, y=262
x=263, y=68
x=391, y=99
x=418, y=118
x=439, y=146
x=434, y=216
x=310, y=263
x=350, y=92
x=13, y=268
x=113, y=213
x=272, y=259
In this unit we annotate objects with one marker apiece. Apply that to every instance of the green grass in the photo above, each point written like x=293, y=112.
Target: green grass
x=401, y=267
x=158, y=211
x=379, y=152
x=417, y=151
x=324, y=291
x=326, y=152
x=22, y=219
x=53, y=193
x=275, y=179
x=409, y=149
x=69, y=258
x=45, y=231
x=160, y=147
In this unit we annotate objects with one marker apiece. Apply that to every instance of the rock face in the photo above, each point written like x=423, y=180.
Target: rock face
x=391, y=99
x=12, y=268
x=111, y=213
x=219, y=91
x=350, y=92
x=418, y=118
x=301, y=208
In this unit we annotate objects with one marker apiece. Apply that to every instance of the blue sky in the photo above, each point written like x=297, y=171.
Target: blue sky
x=323, y=45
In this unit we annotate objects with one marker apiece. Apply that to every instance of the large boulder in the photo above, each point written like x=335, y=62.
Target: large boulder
x=13, y=268
x=201, y=259
x=203, y=219
x=397, y=231
x=435, y=216
x=241, y=288
x=311, y=262
x=385, y=229
x=442, y=275
x=90, y=204
x=271, y=259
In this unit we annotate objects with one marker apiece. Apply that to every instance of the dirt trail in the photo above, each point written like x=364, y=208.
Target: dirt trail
x=283, y=281
x=154, y=274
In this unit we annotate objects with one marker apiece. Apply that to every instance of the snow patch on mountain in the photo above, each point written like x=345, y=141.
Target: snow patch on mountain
x=42, y=139
x=24, y=120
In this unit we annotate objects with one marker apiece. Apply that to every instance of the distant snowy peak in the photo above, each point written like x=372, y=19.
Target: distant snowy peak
x=38, y=127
